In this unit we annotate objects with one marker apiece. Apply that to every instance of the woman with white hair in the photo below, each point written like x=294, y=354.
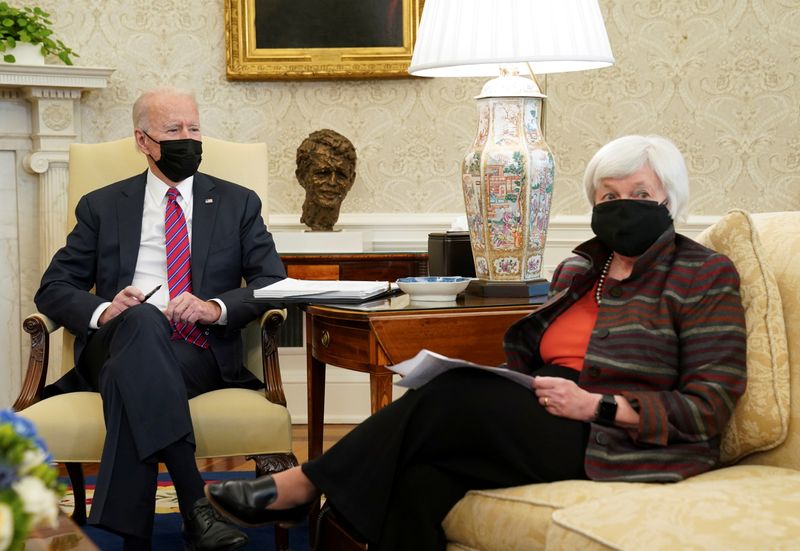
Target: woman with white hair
x=638, y=358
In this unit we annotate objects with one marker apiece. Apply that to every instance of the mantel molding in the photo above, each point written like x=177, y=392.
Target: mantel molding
x=62, y=81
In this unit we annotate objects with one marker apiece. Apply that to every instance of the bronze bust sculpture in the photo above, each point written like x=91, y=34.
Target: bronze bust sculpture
x=326, y=168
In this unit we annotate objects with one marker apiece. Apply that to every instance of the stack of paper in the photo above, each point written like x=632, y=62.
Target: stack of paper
x=426, y=365
x=320, y=290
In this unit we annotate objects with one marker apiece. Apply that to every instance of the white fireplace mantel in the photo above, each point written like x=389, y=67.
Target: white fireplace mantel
x=54, y=92
x=40, y=116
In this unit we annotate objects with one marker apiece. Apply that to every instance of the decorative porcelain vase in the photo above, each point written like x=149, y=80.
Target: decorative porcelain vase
x=25, y=53
x=507, y=179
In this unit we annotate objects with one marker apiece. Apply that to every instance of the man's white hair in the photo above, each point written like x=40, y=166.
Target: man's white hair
x=141, y=107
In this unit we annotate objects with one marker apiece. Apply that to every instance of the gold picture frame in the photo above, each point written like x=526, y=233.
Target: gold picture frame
x=287, y=55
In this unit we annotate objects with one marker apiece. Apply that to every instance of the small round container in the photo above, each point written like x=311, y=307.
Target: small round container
x=432, y=289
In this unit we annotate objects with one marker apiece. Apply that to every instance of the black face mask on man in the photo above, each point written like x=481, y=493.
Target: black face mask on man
x=179, y=158
x=630, y=226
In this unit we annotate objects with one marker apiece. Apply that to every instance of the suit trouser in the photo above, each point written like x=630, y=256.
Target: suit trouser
x=145, y=380
x=394, y=477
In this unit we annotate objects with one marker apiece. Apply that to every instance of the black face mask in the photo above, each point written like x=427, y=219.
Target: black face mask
x=630, y=226
x=179, y=158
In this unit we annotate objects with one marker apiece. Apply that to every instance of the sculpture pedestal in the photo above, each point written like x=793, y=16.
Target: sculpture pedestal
x=307, y=241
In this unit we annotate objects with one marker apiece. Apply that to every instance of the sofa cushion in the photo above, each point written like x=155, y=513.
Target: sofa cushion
x=780, y=240
x=518, y=518
x=750, y=510
x=760, y=420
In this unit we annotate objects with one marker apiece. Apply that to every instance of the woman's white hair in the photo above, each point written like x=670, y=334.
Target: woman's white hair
x=624, y=156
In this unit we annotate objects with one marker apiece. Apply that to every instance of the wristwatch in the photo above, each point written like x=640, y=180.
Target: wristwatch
x=606, y=410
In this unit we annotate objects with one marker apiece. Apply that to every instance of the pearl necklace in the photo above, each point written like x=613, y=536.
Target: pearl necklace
x=598, y=293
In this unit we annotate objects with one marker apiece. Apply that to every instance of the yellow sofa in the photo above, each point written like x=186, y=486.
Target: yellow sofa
x=751, y=503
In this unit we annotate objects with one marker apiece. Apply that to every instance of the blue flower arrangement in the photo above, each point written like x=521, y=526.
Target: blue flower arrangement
x=29, y=486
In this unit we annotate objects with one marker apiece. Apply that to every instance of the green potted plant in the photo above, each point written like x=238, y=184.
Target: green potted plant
x=29, y=26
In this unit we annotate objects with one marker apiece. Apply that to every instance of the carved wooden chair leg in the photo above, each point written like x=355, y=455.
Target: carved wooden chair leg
x=270, y=464
x=75, y=472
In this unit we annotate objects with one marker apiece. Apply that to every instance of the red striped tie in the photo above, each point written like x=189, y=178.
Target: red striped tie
x=179, y=266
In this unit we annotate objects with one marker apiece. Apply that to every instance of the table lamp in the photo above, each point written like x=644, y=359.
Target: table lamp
x=508, y=172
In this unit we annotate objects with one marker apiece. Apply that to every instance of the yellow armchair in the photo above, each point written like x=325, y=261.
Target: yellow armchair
x=228, y=422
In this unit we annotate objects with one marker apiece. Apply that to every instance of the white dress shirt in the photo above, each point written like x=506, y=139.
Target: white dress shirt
x=151, y=264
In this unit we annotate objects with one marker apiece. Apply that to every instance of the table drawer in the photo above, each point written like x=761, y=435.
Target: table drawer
x=343, y=344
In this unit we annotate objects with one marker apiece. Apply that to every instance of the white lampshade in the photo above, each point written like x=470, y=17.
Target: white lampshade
x=463, y=38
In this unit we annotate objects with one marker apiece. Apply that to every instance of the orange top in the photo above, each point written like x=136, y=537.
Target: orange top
x=565, y=341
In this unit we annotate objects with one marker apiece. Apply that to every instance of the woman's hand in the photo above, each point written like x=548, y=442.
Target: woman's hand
x=564, y=398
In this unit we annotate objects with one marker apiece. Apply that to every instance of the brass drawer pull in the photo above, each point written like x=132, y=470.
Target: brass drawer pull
x=326, y=338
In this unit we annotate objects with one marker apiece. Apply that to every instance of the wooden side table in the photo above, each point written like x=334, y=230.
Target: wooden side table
x=367, y=337
x=355, y=266
x=387, y=266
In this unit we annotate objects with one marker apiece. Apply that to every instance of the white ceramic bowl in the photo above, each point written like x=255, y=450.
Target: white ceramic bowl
x=433, y=289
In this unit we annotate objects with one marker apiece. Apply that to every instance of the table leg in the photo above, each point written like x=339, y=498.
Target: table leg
x=316, y=405
x=315, y=381
x=380, y=390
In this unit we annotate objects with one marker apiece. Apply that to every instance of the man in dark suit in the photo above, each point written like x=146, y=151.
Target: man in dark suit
x=147, y=355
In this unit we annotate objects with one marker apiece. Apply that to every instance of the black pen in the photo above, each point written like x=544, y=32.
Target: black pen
x=151, y=293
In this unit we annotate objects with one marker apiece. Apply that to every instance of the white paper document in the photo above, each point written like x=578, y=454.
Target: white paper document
x=426, y=365
x=321, y=289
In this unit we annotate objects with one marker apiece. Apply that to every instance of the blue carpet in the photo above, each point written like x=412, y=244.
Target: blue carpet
x=167, y=527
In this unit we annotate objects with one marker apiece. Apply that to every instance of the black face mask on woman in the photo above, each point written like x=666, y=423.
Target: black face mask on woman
x=179, y=158
x=630, y=226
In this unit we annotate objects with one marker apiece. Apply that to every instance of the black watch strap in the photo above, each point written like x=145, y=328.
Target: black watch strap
x=606, y=410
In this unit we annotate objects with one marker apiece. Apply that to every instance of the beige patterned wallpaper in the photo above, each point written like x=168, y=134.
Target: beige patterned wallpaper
x=719, y=77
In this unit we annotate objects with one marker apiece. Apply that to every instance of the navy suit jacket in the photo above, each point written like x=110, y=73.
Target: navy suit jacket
x=230, y=243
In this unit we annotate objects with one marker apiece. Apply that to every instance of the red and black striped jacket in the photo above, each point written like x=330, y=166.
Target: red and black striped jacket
x=670, y=338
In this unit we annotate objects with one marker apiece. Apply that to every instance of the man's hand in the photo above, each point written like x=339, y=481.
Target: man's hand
x=188, y=308
x=129, y=296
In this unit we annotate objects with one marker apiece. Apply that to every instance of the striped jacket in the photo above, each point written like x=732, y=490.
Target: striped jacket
x=670, y=339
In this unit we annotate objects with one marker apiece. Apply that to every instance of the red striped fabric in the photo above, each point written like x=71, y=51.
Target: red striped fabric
x=179, y=266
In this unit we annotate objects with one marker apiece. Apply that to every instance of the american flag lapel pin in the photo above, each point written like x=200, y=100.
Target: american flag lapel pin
x=209, y=201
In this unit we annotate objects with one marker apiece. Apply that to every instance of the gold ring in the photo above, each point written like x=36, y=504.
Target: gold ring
x=546, y=401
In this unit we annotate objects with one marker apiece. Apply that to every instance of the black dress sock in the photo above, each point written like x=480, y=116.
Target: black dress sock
x=180, y=462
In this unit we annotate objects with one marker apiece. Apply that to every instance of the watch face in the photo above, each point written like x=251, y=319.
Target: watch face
x=607, y=410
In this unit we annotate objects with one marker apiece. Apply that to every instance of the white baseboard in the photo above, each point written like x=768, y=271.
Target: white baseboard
x=347, y=392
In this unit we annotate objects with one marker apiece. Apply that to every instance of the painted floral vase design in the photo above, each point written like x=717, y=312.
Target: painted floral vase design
x=507, y=180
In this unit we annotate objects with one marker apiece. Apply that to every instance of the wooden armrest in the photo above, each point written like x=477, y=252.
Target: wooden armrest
x=270, y=321
x=39, y=327
x=49, y=325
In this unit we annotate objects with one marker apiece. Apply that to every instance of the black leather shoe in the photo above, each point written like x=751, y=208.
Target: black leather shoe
x=244, y=502
x=205, y=530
